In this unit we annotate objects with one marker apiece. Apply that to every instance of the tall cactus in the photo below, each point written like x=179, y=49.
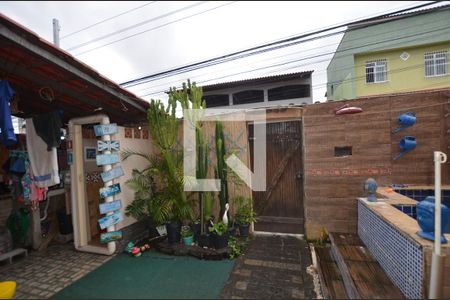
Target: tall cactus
x=221, y=168
x=192, y=99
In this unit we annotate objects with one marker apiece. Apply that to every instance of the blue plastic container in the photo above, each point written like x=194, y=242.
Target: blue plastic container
x=408, y=143
x=425, y=218
x=407, y=119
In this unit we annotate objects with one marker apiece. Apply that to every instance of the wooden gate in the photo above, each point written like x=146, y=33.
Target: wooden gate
x=280, y=207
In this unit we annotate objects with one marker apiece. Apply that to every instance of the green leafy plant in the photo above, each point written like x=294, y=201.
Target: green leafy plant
x=143, y=185
x=245, y=213
x=236, y=250
x=170, y=202
x=219, y=228
x=186, y=232
x=237, y=247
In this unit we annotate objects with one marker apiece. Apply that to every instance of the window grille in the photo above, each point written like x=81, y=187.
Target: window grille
x=376, y=71
x=436, y=63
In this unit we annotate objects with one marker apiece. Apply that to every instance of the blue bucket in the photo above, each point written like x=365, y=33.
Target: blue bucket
x=407, y=119
x=408, y=143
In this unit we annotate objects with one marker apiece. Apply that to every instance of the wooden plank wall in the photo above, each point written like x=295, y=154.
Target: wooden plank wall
x=333, y=183
x=238, y=143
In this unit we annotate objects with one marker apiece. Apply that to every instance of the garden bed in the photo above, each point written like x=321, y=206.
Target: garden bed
x=162, y=245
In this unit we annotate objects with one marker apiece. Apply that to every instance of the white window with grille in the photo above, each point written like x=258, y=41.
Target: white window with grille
x=436, y=63
x=376, y=71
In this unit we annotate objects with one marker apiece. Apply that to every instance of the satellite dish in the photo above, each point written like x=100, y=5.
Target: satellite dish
x=370, y=187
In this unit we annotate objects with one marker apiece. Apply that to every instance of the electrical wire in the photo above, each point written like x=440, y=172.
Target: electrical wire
x=105, y=20
x=307, y=50
x=270, y=44
x=416, y=35
x=234, y=58
x=136, y=25
x=157, y=27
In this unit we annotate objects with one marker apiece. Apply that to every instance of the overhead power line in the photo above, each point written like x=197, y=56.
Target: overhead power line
x=136, y=25
x=303, y=51
x=417, y=35
x=157, y=27
x=105, y=20
x=291, y=39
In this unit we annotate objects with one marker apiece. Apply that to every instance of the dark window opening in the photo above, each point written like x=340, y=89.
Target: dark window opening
x=342, y=151
x=216, y=100
x=289, y=92
x=252, y=96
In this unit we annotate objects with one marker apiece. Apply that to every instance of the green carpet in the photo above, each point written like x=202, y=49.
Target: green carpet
x=152, y=275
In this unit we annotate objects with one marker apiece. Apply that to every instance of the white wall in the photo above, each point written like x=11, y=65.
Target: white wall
x=265, y=87
x=134, y=162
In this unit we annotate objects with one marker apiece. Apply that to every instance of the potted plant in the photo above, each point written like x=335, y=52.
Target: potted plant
x=232, y=227
x=187, y=235
x=170, y=205
x=219, y=233
x=245, y=215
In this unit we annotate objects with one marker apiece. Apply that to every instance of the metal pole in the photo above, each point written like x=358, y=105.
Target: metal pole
x=437, y=261
x=56, y=29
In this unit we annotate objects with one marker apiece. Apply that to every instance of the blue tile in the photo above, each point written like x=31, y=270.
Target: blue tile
x=407, y=209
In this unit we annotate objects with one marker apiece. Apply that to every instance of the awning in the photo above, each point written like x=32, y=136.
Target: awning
x=47, y=78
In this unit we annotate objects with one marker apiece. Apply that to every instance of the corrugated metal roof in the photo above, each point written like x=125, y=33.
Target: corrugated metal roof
x=398, y=16
x=258, y=80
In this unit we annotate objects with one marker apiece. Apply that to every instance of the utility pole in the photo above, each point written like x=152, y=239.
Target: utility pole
x=56, y=29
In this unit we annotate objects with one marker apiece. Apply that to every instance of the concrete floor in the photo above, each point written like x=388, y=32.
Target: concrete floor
x=43, y=274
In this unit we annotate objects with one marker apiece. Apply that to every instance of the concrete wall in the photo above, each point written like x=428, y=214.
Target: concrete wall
x=134, y=162
x=265, y=87
x=423, y=29
x=402, y=75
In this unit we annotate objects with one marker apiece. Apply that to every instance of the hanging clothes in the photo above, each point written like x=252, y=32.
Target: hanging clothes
x=7, y=135
x=48, y=127
x=44, y=164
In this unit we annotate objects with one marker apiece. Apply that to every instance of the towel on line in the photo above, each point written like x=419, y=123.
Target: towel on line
x=44, y=164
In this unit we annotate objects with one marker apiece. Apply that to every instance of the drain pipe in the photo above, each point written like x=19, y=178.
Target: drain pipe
x=111, y=246
x=437, y=262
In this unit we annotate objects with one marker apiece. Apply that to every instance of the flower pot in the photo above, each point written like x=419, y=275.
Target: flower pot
x=188, y=240
x=244, y=230
x=204, y=240
x=232, y=231
x=173, y=232
x=220, y=241
x=196, y=229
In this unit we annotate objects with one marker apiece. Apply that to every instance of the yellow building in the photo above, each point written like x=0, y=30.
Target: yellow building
x=398, y=53
x=401, y=70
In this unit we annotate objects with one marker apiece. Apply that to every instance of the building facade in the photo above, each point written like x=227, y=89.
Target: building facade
x=272, y=91
x=395, y=54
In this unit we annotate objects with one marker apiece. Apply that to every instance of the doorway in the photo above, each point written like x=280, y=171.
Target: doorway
x=280, y=209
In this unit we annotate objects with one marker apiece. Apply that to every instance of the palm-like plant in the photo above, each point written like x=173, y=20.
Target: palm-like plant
x=170, y=202
x=152, y=197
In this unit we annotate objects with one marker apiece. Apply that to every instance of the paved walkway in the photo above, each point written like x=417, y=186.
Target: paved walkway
x=273, y=267
x=42, y=274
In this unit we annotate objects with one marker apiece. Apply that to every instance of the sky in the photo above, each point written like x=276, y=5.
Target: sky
x=125, y=40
